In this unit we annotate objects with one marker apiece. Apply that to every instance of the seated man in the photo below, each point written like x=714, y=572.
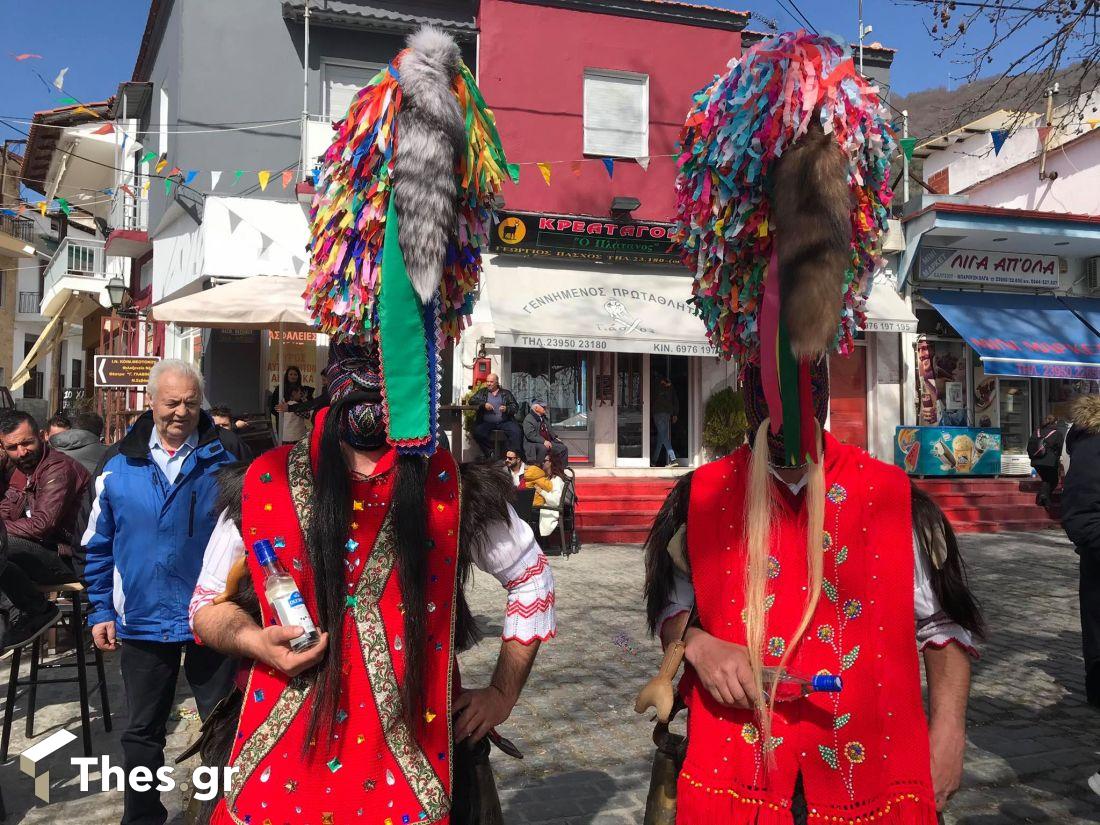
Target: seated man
x=83, y=443
x=45, y=489
x=223, y=417
x=516, y=468
x=496, y=410
x=539, y=438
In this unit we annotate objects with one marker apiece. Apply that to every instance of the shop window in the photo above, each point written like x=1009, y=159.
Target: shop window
x=342, y=81
x=76, y=373
x=558, y=377
x=616, y=113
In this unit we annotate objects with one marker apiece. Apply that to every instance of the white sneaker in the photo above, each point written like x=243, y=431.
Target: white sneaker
x=1094, y=783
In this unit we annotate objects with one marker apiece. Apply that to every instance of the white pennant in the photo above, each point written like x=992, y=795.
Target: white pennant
x=215, y=176
x=644, y=163
x=59, y=81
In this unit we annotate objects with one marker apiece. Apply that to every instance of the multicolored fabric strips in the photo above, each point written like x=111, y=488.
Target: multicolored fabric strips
x=349, y=209
x=739, y=124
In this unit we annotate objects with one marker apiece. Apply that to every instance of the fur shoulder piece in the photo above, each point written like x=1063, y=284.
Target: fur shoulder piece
x=486, y=493
x=230, y=488
x=1086, y=413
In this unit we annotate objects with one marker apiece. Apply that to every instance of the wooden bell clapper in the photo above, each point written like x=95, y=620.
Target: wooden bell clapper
x=659, y=693
x=233, y=581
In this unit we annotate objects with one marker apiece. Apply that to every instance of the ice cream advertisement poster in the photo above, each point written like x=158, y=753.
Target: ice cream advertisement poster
x=948, y=451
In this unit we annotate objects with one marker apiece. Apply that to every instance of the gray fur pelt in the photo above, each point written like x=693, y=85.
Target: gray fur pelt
x=811, y=209
x=431, y=134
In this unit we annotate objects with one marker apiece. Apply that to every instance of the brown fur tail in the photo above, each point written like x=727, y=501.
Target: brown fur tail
x=812, y=215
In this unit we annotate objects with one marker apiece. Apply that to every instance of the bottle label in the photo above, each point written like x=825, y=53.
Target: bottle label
x=292, y=610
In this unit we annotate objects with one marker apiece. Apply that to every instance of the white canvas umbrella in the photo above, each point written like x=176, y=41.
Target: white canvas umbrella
x=259, y=302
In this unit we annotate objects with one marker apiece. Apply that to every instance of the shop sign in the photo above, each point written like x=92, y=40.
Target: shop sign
x=299, y=350
x=592, y=239
x=971, y=266
x=123, y=370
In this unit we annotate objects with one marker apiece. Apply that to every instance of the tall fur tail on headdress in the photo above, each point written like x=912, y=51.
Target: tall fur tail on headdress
x=812, y=215
x=430, y=137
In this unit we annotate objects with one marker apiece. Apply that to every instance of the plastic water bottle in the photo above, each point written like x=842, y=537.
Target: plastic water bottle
x=282, y=594
x=791, y=686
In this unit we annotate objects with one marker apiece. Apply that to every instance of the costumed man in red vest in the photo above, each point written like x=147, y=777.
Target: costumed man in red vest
x=365, y=515
x=798, y=555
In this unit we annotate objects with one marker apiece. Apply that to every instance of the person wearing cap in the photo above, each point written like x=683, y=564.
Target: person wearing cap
x=539, y=437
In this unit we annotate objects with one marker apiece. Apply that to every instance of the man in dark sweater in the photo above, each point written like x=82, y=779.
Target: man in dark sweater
x=496, y=409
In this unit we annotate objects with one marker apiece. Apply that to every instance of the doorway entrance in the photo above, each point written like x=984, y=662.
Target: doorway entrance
x=651, y=390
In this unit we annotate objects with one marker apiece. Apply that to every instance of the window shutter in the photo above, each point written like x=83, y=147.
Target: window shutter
x=616, y=114
x=343, y=82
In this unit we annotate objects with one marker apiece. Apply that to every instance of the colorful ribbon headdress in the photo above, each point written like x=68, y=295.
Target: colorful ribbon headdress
x=781, y=204
x=401, y=215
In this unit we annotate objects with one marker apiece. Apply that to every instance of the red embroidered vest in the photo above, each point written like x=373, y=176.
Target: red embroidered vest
x=373, y=766
x=862, y=753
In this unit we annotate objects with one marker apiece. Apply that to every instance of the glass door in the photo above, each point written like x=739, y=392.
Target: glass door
x=560, y=379
x=631, y=408
x=1014, y=400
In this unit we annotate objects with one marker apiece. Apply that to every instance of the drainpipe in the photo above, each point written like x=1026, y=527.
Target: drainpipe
x=305, y=94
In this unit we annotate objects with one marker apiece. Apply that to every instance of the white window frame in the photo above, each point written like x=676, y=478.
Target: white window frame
x=329, y=63
x=621, y=75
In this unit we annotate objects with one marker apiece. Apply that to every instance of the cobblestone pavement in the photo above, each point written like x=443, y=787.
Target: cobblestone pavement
x=1031, y=737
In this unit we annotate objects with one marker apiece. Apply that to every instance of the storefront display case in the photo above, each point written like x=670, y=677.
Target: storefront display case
x=948, y=451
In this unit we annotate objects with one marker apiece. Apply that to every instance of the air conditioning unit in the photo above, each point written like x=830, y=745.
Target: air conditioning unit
x=1092, y=274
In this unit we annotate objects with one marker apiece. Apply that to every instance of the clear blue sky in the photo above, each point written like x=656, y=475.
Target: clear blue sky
x=98, y=41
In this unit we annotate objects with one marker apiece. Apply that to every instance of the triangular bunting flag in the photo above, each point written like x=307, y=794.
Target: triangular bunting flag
x=59, y=81
x=162, y=163
x=69, y=101
x=126, y=188
x=1044, y=133
x=215, y=176
x=908, y=144
x=288, y=176
x=609, y=165
x=63, y=205
x=145, y=186
x=124, y=138
x=191, y=173
x=105, y=129
x=545, y=169
x=168, y=181
x=297, y=263
x=264, y=176
x=148, y=156
x=237, y=175
x=265, y=244
x=22, y=208
x=42, y=207
x=575, y=168
x=84, y=110
x=27, y=56
x=644, y=163
x=234, y=220
x=1092, y=123
x=999, y=137
x=175, y=171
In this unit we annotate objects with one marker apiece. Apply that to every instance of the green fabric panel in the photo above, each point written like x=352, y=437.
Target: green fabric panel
x=401, y=338
x=788, y=390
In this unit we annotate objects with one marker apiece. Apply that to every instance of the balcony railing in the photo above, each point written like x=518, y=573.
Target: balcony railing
x=129, y=211
x=29, y=303
x=77, y=258
x=21, y=228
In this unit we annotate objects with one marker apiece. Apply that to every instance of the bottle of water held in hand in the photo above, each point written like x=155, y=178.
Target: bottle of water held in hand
x=790, y=687
x=282, y=594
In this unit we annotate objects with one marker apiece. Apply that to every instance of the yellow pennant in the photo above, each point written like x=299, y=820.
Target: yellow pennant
x=42, y=207
x=161, y=164
x=545, y=169
x=1092, y=123
x=762, y=229
x=145, y=187
x=264, y=177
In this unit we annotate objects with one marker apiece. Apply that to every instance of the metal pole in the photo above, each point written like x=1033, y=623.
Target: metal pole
x=861, y=38
x=904, y=159
x=1049, y=117
x=305, y=93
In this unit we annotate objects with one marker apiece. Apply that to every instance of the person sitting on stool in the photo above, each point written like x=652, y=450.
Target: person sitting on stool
x=496, y=409
x=539, y=438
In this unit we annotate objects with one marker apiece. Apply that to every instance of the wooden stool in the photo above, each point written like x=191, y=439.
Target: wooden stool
x=70, y=595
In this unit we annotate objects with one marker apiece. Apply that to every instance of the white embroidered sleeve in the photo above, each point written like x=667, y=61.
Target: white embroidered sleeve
x=934, y=627
x=680, y=599
x=513, y=557
x=222, y=551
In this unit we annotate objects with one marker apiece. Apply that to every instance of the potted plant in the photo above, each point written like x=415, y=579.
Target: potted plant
x=724, y=423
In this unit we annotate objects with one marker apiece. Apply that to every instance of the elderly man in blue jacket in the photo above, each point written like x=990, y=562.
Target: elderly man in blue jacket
x=152, y=515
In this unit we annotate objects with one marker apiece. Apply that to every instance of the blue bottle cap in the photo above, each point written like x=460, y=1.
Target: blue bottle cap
x=264, y=550
x=827, y=683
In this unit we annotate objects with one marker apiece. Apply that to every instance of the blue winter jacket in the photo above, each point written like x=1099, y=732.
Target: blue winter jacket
x=145, y=538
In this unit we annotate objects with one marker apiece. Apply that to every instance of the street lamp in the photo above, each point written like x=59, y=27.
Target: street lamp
x=116, y=291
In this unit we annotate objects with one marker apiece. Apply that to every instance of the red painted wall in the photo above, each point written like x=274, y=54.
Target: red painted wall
x=531, y=66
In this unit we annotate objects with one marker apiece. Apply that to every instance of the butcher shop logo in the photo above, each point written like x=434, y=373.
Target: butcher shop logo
x=622, y=322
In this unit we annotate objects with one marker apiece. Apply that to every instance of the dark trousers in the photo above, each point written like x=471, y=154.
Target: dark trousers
x=24, y=565
x=149, y=674
x=1090, y=620
x=483, y=435
x=537, y=455
x=1048, y=480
